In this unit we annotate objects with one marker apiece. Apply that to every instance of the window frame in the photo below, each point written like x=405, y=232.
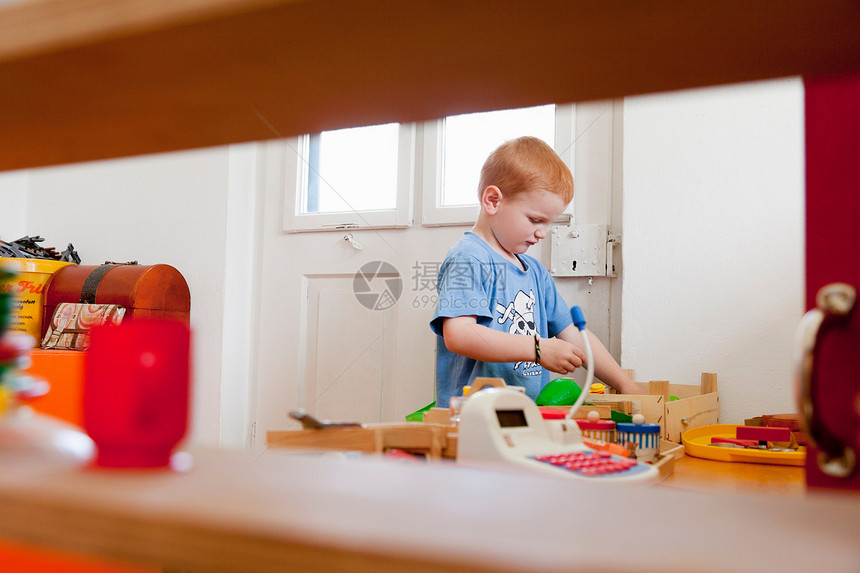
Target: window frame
x=435, y=215
x=295, y=173
x=429, y=159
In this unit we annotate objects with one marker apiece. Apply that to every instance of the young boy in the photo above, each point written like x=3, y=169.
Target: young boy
x=499, y=313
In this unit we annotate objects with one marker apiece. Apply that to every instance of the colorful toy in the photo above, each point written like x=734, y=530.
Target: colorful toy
x=645, y=436
x=727, y=443
x=502, y=428
x=559, y=392
x=603, y=430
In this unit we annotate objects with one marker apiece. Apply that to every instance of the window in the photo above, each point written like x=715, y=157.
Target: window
x=361, y=178
x=455, y=148
x=350, y=179
x=351, y=170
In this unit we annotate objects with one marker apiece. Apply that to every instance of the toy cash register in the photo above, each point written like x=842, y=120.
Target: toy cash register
x=499, y=427
x=504, y=427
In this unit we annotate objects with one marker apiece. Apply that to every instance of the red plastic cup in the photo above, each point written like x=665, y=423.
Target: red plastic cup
x=136, y=387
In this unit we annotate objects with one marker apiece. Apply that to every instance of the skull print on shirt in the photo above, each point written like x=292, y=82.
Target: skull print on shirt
x=521, y=314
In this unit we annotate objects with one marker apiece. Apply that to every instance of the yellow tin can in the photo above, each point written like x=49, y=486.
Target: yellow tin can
x=28, y=286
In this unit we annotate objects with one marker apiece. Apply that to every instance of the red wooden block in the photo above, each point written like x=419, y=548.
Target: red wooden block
x=763, y=434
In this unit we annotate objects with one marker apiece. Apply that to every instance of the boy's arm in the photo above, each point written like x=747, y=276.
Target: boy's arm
x=463, y=335
x=605, y=366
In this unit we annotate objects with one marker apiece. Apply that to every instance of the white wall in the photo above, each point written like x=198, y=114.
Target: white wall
x=13, y=204
x=170, y=209
x=714, y=240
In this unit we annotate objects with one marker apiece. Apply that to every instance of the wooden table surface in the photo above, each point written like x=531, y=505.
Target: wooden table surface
x=240, y=511
x=716, y=476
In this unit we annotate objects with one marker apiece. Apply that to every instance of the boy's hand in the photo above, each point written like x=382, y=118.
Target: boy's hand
x=560, y=356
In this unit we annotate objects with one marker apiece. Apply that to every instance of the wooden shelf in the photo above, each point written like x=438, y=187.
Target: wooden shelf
x=241, y=511
x=95, y=79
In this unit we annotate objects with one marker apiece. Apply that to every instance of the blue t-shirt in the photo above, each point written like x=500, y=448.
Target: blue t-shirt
x=474, y=280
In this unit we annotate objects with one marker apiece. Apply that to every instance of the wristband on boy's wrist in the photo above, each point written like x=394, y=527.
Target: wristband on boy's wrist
x=537, y=349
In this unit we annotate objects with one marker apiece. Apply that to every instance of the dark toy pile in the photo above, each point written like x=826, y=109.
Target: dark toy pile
x=28, y=248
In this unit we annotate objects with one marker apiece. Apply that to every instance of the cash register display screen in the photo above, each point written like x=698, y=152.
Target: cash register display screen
x=511, y=418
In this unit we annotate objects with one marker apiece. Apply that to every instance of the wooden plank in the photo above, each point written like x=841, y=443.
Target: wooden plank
x=669, y=453
x=619, y=405
x=346, y=439
x=649, y=406
x=50, y=25
x=128, y=77
x=426, y=439
x=659, y=388
x=709, y=382
x=603, y=410
x=689, y=413
x=246, y=511
x=414, y=438
x=684, y=390
x=437, y=416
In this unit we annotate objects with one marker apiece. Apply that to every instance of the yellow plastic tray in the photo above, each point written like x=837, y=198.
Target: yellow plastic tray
x=697, y=443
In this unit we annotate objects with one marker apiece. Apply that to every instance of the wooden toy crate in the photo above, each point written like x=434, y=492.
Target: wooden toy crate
x=696, y=406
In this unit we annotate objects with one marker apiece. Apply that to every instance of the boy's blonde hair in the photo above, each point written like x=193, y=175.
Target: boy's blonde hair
x=526, y=164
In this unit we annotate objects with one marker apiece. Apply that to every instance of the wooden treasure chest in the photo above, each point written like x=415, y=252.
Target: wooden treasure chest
x=145, y=291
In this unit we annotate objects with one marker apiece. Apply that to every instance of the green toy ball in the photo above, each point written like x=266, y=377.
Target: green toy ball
x=559, y=392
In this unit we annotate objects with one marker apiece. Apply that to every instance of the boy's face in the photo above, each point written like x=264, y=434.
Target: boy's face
x=522, y=221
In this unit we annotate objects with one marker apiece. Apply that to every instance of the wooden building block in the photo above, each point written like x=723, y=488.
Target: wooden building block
x=762, y=434
x=438, y=416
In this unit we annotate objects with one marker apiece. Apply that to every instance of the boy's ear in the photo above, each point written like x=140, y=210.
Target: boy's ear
x=490, y=199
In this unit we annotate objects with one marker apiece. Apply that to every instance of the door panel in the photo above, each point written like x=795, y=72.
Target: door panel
x=348, y=377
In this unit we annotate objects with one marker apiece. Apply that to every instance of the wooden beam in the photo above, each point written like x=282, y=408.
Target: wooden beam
x=128, y=77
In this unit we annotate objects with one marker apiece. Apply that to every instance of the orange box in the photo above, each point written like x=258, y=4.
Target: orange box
x=64, y=371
